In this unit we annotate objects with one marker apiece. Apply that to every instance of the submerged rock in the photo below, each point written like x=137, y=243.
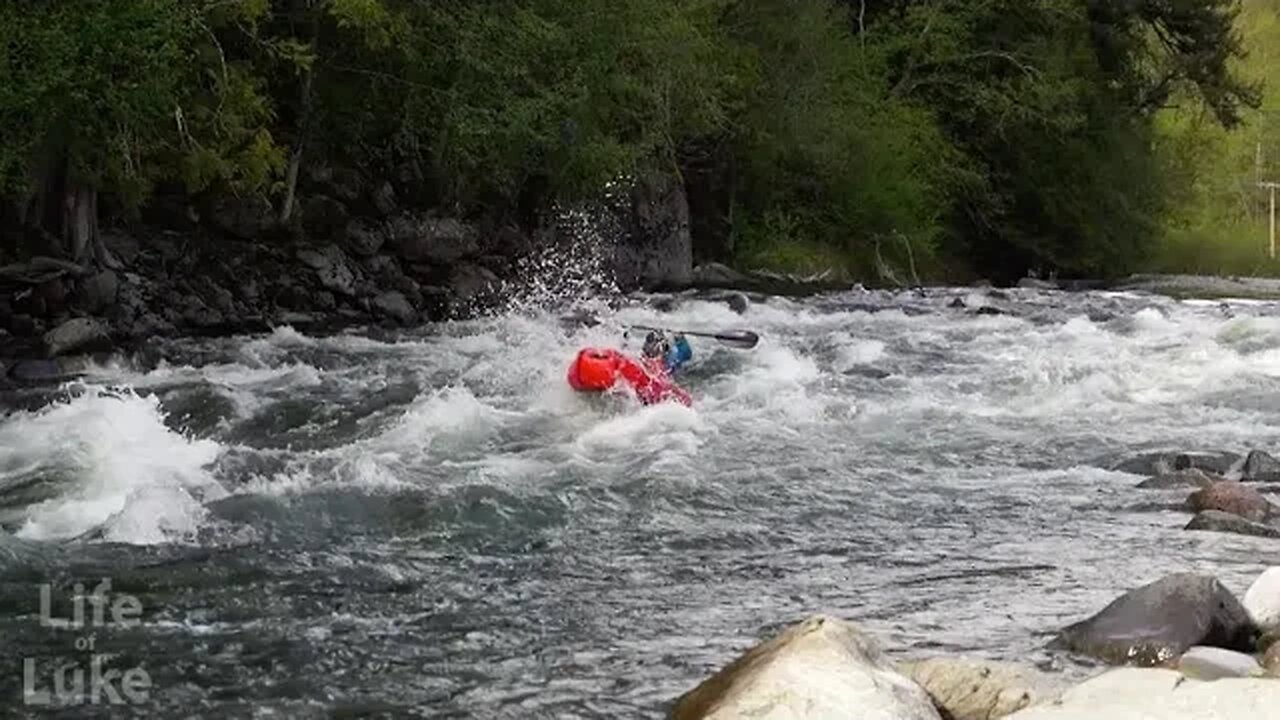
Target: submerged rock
x=1190, y=477
x=1157, y=622
x=1156, y=693
x=820, y=669
x=1161, y=463
x=1225, y=522
x=1232, y=497
x=964, y=689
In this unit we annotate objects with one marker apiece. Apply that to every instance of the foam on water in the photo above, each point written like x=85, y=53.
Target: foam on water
x=114, y=467
x=921, y=468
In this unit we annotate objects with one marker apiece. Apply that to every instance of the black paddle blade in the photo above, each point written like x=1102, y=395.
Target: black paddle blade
x=744, y=339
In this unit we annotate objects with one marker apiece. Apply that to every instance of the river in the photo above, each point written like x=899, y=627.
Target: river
x=431, y=524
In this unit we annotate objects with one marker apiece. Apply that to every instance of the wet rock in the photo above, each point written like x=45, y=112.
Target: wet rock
x=439, y=241
x=98, y=291
x=1157, y=693
x=44, y=369
x=1190, y=477
x=820, y=669
x=1029, y=283
x=395, y=306
x=657, y=251
x=364, y=239
x=989, y=310
x=1162, y=463
x=1159, y=621
x=1262, y=601
x=332, y=269
x=718, y=275
x=1210, y=663
x=1260, y=467
x=957, y=303
x=468, y=281
x=1224, y=522
x=77, y=334
x=1232, y=497
x=964, y=689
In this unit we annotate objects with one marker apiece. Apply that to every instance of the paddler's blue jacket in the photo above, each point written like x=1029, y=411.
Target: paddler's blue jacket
x=679, y=354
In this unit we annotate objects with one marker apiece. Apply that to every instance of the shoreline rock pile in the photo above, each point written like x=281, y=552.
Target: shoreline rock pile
x=1180, y=648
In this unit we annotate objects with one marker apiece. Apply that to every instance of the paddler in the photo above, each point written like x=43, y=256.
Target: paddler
x=674, y=352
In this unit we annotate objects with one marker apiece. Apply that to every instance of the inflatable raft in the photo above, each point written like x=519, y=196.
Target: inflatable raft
x=600, y=369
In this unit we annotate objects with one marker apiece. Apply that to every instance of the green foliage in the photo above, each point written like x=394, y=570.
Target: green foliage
x=871, y=138
x=1217, y=215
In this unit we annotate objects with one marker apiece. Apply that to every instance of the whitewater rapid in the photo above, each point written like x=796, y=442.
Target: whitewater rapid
x=432, y=519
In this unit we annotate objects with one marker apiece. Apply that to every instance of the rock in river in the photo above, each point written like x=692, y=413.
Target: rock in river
x=1224, y=522
x=820, y=669
x=1160, y=621
x=1232, y=497
x=966, y=689
x=1262, y=601
x=1190, y=477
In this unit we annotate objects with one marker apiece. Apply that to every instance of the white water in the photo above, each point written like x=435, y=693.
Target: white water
x=937, y=474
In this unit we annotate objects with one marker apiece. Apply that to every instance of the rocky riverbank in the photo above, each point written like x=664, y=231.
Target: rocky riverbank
x=352, y=256
x=1183, y=647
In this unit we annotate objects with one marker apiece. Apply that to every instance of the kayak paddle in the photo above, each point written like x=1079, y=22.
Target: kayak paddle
x=744, y=339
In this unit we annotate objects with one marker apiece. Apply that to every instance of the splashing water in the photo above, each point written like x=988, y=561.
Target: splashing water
x=435, y=523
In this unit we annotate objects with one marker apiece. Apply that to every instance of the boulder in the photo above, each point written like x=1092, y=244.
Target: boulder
x=965, y=689
x=1210, y=663
x=820, y=669
x=1161, y=463
x=364, y=239
x=1158, y=622
x=395, y=306
x=77, y=334
x=438, y=241
x=1262, y=601
x=468, y=281
x=98, y=291
x=1190, y=477
x=1030, y=283
x=1159, y=694
x=332, y=269
x=1260, y=467
x=657, y=250
x=1232, y=497
x=1224, y=522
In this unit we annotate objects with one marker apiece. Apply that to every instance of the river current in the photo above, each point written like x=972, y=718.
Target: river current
x=429, y=523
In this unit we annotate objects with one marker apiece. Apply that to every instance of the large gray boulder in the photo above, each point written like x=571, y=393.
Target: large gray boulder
x=1225, y=522
x=656, y=250
x=436, y=241
x=820, y=669
x=1160, y=621
x=332, y=269
x=77, y=334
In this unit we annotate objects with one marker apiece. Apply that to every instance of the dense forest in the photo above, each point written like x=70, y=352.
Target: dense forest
x=939, y=137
